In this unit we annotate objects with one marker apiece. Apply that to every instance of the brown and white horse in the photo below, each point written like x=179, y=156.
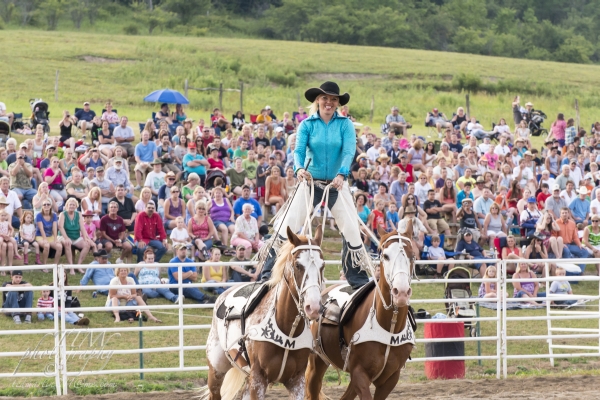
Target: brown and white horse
x=371, y=361
x=294, y=298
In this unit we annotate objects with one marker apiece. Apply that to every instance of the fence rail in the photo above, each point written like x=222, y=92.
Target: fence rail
x=62, y=354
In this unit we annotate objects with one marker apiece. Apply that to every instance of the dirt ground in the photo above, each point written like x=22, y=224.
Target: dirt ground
x=572, y=387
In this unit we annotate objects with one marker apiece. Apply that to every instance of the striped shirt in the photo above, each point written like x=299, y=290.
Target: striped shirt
x=45, y=303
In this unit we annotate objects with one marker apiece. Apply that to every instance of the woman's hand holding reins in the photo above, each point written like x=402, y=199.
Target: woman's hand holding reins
x=304, y=174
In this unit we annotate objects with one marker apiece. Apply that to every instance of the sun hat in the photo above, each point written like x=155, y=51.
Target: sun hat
x=383, y=157
x=529, y=104
x=330, y=88
x=240, y=247
x=88, y=213
x=466, y=199
x=361, y=155
x=156, y=162
x=582, y=190
x=410, y=210
x=480, y=179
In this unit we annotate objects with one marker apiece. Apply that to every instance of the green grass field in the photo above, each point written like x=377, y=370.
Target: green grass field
x=124, y=69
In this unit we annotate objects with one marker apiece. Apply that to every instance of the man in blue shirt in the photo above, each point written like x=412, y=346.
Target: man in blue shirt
x=194, y=162
x=239, y=203
x=278, y=142
x=188, y=275
x=580, y=207
x=100, y=276
x=145, y=153
x=83, y=118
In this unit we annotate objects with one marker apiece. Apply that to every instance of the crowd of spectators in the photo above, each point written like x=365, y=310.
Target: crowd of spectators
x=203, y=189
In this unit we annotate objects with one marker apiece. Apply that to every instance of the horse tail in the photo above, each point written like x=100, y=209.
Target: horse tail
x=232, y=383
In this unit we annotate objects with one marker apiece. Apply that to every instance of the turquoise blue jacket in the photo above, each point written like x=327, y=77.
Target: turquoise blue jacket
x=330, y=146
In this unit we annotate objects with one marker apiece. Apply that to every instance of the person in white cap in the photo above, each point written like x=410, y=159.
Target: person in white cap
x=554, y=203
x=278, y=142
x=580, y=207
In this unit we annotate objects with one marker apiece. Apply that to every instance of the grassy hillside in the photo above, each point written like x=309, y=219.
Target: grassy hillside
x=124, y=69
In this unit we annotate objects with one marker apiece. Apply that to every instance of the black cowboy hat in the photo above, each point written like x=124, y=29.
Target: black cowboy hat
x=330, y=88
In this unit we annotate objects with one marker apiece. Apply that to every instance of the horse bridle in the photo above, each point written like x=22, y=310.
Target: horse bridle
x=391, y=278
x=300, y=290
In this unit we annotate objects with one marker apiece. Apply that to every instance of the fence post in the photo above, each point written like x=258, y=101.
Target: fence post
x=499, y=297
x=577, y=113
x=63, y=329
x=468, y=106
x=57, y=340
x=298, y=99
x=504, y=323
x=549, y=321
x=242, y=96
x=221, y=96
x=180, y=302
x=372, y=108
x=56, y=87
x=140, y=320
x=185, y=89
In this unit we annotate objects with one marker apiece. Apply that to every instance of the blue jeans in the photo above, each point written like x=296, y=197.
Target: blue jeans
x=577, y=252
x=153, y=293
x=15, y=222
x=190, y=293
x=159, y=250
x=217, y=290
x=522, y=293
x=12, y=301
x=27, y=195
x=48, y=315
x=70, y=317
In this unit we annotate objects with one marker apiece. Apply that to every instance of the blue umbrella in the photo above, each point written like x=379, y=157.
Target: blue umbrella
x=166, y=96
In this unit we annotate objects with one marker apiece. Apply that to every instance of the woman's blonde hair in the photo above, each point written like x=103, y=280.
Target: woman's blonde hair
x=418, y=144
x=144, y=190
x=486, y=271
x=72, y=200
x=200, y=204
x=93, y=190
x=314, y=107
x=518, y=269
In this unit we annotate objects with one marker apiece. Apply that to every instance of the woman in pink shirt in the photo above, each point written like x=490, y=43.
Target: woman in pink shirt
x=558, y=130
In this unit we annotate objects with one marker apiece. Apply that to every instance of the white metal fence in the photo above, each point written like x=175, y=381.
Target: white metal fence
x=62, y=355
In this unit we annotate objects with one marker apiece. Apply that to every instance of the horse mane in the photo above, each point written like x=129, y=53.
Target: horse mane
x=284, y=256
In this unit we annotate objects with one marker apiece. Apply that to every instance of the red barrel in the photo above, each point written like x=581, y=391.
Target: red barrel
x=444, y=369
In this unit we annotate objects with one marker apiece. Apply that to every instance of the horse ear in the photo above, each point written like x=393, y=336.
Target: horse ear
x=318, y=235
x=293, y=238
x=381, y=231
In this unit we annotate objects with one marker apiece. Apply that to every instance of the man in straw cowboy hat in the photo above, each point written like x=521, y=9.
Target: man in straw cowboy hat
x=325, y=147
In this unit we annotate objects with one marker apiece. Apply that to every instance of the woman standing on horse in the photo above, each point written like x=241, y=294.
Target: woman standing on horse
x=325, y=147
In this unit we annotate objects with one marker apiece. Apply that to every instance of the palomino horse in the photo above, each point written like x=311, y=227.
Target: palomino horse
x=276, y=344
x=371, y=361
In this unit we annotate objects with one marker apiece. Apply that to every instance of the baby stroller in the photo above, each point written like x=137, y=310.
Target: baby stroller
x=457, y=294
x=535, y=124
x=39, y=114
x=4, y=132
x=212, y=175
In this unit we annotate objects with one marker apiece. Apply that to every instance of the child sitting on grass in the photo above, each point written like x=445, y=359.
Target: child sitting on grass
x=562, y=288
x=488, y=289
x=436, y=252
x=46, y=301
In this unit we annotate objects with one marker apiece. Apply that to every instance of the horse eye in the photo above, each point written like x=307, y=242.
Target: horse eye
x=386, y=257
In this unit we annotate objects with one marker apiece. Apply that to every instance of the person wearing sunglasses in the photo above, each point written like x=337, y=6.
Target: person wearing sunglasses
x=591, y=238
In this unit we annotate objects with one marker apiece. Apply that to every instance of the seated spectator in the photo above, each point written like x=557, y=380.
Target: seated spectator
x=46, y=233
x=106, y=140
x=20, y=174
x=580, y=208
x=465, y=193
x=178, y=116
x=93, y=202
x=166, y=154
x=145, y=153
x=434, y=208
x=107, y=189
x=275, y=190
x=250, y=165
x=83, y=117
x=125, y=296
x=238, y=177
x=526, y=290
x=69, y=316
x=530, y=216
x=396, y=122
x=488, y=290
x=476, y=129
x=562, y=288
x=156, y=178
x=238, y=121
x=149, y=231
x=215, y=274
x=93, y=158
x=436, y=253
x=245, y=199
x=100, y=276
x=438, y=120
x=145, y=198
x=150, y=277
x=164, y=114
x=114, y=232
x=447, y=196
x=188, y=275
x=468, y=219
x=194, y=162
x=179, y=234
x=591, y=238
x=474, y=251
x=202, y=230
x=42, y=195
x=221, y=213
x=568, y=232
x=118, y=175
x=174, y=207
x=242, y=273
x=246, y=231
x=459, y=120
x=20, y=299
x=73, y=233
x=494, y=225
x=124, y=137
x=56, y=180
x=214, y=161
x=46, y=301
x=199, y=194
x=419, y=230
x=187, y=191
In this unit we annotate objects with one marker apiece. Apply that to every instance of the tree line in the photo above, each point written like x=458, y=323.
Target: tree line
x=557, y=30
